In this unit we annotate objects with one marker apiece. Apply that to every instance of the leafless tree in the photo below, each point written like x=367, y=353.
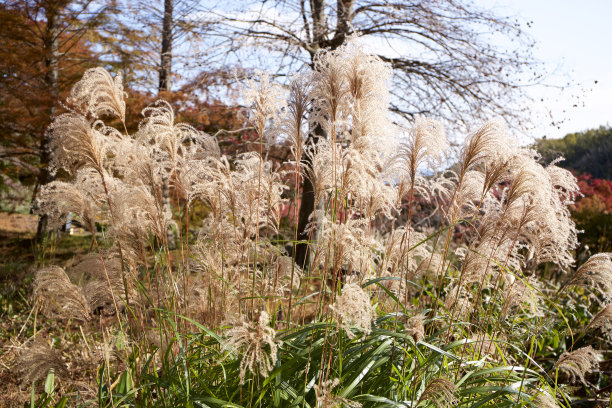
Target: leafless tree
x=450, y=59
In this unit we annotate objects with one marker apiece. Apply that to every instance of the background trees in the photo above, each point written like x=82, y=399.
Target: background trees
x=451, y=60
x=45, y=49
x=153, y=41
x=48, y=44
x=447, y=56
x=584, y=152
x=587, y=154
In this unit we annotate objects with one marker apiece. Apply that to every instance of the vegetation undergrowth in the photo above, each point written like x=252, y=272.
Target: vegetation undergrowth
x=424, y=286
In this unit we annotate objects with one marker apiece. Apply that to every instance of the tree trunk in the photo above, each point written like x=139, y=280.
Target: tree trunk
x=301, y=255
x=165, y=72
x=318, y=22
x=165, y=68
x=302, y=252
x=51, y=60
x=345, y=15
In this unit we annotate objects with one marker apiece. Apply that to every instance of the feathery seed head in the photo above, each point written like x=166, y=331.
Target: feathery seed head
x=249, y=339
x=490, y=142
x=98, y=93
x=76, y=143
x=603, y=321
x=353, y=308
x=60, y=298
x=265, y=100
x=37, y=359
x=415, y=327
x=292, y=123
x=326, y=398
x=441, y=391
x=579, y=362
x=545, y=400
x=597, y=270
x=57, y=199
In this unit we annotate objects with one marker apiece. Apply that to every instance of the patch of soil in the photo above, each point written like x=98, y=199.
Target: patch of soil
x=18, y=223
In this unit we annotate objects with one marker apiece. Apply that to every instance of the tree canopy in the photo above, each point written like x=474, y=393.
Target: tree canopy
x=47, y=45
x=451, y=60
x=44, y=51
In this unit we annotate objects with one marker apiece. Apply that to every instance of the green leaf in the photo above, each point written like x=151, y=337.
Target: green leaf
x=50, y=382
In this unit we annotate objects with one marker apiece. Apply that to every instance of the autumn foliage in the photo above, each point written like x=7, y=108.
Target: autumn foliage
x=593, y=213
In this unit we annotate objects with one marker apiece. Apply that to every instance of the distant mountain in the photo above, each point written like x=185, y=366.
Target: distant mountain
x=584, y=152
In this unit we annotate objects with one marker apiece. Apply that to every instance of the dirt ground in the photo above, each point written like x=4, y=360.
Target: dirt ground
x=18, y=223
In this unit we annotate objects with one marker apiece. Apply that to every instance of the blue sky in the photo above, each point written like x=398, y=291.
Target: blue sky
x=574, y=39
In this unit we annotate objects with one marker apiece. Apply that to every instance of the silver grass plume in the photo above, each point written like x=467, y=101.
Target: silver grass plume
x=542, y=195
x=57, y=199
x=138, y=213
x=249, y=339
x=368, y=79
x=322, y=172
x=578, y=362
x=597, y=271
x=36, y=360
x=353, y=308
x=459, y=301
x=276, y=279
x=172, y=145
x=440, y=391
x=212, y=296
x=564, y=182
x=416, y=328
x=365, y=163
x=469, y=195
x=545, y=400
x=265, y=100
x=487, y=346
x=76, y=143
x=59, y=297
x=489, y=142
x=326, y=398
x=350, y=245
x=104, y=288
x=238, y=196
x=603, y=321
x=132, y=162
x=425, y=142
x=330, y=93
x=518, y=293
x=292, y=124
x=98, y=93
x=397, y=258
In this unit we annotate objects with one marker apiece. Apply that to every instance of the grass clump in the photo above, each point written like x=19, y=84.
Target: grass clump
x=418, y=291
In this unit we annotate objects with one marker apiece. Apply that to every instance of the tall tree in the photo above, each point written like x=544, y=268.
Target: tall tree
x=154, y=40
x=165, y=68
x=443, y=53
x=44, y=51
x=451, y=59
